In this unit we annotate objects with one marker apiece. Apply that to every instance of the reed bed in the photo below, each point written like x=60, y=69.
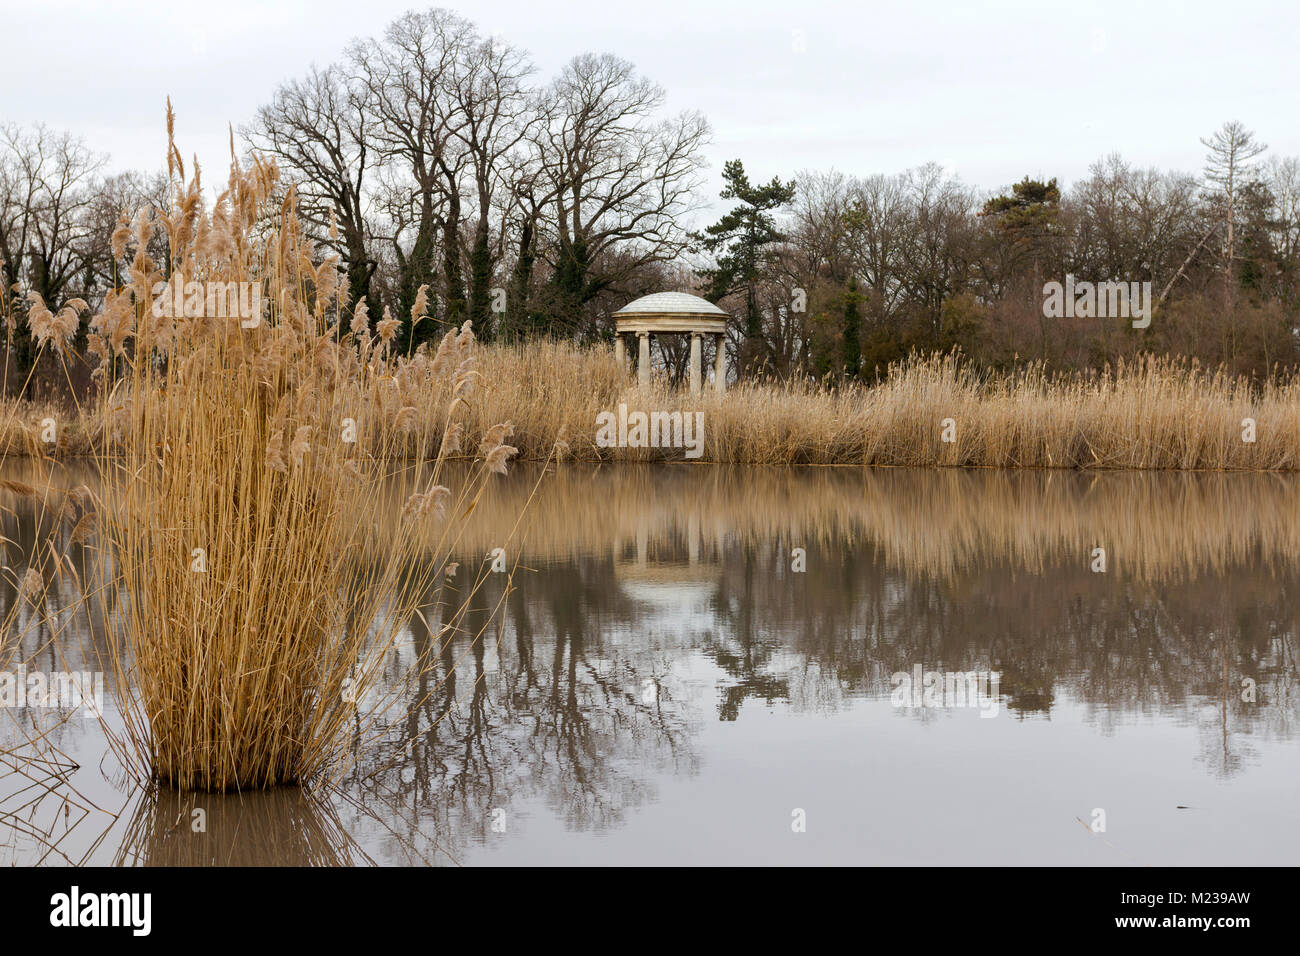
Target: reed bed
x=250, y=595
x=1154, y=413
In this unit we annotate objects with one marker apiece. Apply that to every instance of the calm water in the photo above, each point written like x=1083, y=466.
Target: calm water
x=663, y=686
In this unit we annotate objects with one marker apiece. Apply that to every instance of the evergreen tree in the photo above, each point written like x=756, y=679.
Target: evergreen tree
x=744, y=236
x=852, y=329
x=1027, y=217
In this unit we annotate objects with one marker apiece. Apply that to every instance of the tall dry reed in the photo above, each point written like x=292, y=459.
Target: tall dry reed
x=250, y=593
x=1154, y=413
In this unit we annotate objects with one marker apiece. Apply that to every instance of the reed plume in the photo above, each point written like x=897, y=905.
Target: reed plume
x=250, y=604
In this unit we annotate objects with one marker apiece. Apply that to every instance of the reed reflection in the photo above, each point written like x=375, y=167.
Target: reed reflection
x=287, y=826
x=647, y=603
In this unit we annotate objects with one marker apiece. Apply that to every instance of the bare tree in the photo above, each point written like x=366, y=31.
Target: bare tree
x=111, y=197
x=819, y=224
x=527, y=198
x=46, y=188
x=1132, y=224
x=875, y=227
x=1284, y=183
x=408, y=79
x=495, y=119
x=619, y=175
x=1229, y=166
x=938, y=242
x=319, y=131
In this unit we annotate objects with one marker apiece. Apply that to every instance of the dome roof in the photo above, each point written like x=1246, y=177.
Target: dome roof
x=669, y=303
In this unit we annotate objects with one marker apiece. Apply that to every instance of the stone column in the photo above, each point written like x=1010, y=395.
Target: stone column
x=643, y=360
x=696, y=361
x=720, y=364
x=620, y=351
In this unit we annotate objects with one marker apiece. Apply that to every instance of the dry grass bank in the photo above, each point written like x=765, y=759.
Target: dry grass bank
x=1155, y=414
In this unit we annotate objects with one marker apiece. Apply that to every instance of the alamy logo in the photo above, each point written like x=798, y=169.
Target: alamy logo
x=208, y=300
x=651, y=430
x=66, y=690
x=947, y=689
x=1098, y=300
x=75, y=908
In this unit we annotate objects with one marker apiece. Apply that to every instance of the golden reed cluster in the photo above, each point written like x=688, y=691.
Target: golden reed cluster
x=1154, y=413
x=247, y=586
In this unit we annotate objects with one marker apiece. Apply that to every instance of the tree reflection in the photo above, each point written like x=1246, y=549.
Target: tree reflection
x=651, y=601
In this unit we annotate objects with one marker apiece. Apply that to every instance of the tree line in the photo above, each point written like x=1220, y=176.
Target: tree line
x=920, y=261
x=434, y=157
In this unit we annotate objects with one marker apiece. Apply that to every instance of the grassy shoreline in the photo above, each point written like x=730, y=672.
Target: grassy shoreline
x=1155, y=414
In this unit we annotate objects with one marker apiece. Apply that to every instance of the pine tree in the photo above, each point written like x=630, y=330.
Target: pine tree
x=852, y=329
x=744, y=235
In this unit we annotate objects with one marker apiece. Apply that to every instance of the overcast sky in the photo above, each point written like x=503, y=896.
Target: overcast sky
x=993, y=90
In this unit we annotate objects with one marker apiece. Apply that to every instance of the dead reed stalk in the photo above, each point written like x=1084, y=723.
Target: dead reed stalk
x=249, y=604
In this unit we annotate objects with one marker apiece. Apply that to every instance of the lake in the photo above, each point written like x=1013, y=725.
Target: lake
x=707, y=665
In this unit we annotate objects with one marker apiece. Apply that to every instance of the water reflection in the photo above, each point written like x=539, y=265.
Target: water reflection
x=283, y=827
x=653, y=608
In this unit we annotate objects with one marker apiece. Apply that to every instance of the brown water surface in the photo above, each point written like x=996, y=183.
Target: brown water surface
x=663, y=686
